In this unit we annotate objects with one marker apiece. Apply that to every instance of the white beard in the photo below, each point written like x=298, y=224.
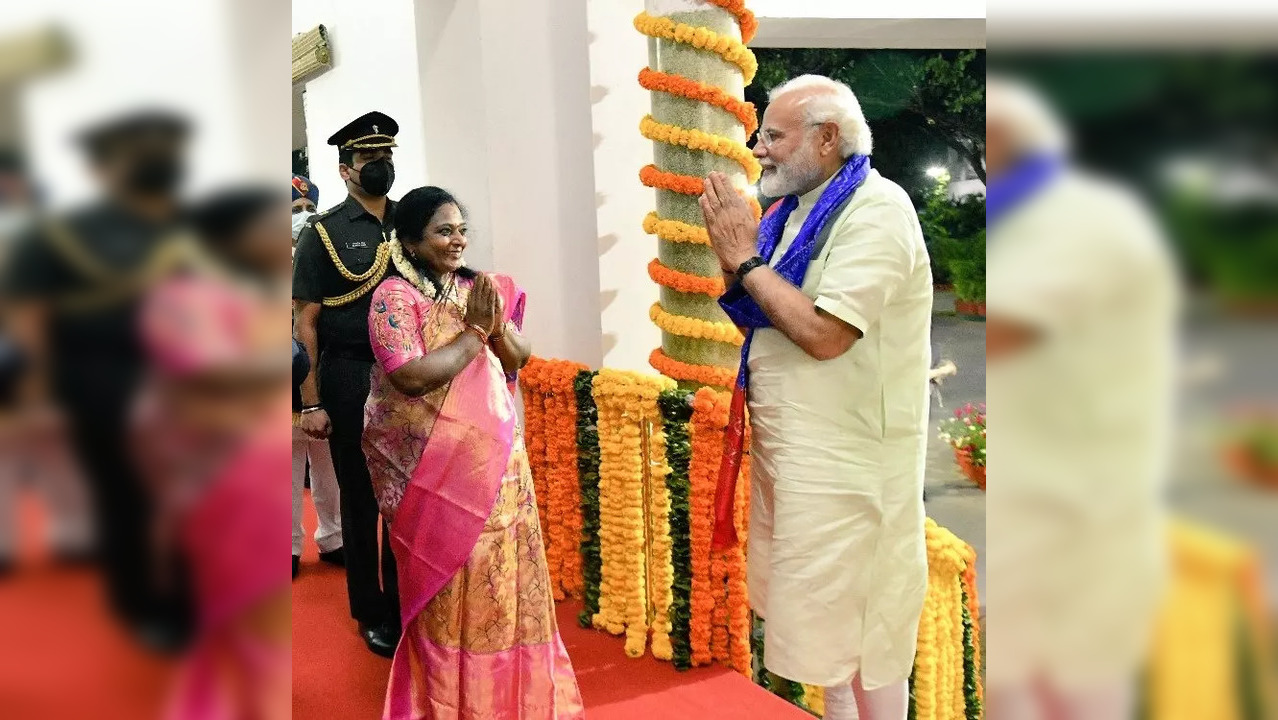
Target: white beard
x=799, y=174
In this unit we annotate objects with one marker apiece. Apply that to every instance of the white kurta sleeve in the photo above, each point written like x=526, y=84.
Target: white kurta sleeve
x=871, y=255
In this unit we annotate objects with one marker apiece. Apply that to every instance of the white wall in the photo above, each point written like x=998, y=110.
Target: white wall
x=181, y=62
x=374, y=68
x=617, y=53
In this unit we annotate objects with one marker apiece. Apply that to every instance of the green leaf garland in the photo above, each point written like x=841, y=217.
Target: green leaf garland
x=676, y=413
x=588, y=477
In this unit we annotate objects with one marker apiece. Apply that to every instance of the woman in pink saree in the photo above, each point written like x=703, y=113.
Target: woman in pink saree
x=212, y=429
x=452, y=478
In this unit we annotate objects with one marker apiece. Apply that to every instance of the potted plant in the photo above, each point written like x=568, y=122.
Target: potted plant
x=965, y=432
x=1251, y=446
x=968, y=273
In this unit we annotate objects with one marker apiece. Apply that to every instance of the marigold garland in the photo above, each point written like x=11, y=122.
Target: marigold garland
x=652, y=177
x=675, y=231
x=940, y=666
x=729, y=48
x=660, y=548
x=684, y=184
x=535, y=434
x=676, y=411
x=625, y=401
x=657, y=81
x=683, y=282
x=695, y=328
x=588, y=475
x=549, y=386
x=704, y=374
x=749, y=24
x=697, y=140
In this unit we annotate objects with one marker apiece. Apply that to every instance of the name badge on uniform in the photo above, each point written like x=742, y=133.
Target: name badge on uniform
x=356, y=245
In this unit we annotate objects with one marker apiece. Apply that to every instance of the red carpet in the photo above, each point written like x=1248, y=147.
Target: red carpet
x=61, y=655
x=335, y=676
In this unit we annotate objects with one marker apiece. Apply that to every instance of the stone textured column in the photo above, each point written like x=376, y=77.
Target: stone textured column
x=697, y=59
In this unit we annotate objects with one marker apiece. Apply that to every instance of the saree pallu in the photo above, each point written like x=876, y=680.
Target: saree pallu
x=222, y=504
x=452, y=477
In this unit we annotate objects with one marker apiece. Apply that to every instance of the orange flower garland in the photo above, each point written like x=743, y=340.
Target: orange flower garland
x=683, y=282
x=719, y=145
x=685, y=184
x=534, y=432
x=704, y=374
x=749, y=24
x=650, y=176
x=548, y=391
x=739, y=625
x=657, y=81
x=706, y=448
x=694, y=327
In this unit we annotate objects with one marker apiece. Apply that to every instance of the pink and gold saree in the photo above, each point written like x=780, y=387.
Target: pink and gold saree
x=452, y=477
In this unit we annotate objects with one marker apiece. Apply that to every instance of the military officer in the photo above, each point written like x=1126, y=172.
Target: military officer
x=342, y=254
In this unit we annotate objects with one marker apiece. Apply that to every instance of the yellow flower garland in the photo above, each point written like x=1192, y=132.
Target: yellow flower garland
x=675, y=231
x=702, y=141
x=730, y=49
x=661, y=548
x=938, y=663
x=626, y=401
x=694, y=328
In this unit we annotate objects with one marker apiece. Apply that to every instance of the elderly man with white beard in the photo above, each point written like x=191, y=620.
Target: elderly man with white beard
x=834, y=288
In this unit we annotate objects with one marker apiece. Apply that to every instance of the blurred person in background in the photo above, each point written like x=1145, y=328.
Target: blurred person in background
x=73, y=285
x=305, y=201
x=40, y=459
x=310, y=453
x=211, y=434
x=1082, y=314
x=341, y=256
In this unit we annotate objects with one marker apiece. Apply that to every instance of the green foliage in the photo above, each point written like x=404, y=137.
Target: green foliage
x=1232, y=250
x=955, y=236
x=588, y=474
x=941, y=93
x=676, y=412
x=971, y=696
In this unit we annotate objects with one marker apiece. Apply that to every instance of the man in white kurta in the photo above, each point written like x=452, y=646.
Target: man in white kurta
x=837, y=556
x=1082, y=304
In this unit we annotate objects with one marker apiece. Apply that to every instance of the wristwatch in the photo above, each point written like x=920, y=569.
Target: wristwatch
x=749, y=265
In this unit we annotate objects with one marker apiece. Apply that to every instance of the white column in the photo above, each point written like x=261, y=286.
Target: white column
x=506, y=108
x=617, y=53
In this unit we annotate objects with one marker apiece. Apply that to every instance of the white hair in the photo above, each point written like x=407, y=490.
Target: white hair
x=831, y=101
x=1034, y=127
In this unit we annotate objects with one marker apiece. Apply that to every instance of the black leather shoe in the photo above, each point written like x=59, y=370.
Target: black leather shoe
x=334, y=557
x=297, y=566
x=378, y=640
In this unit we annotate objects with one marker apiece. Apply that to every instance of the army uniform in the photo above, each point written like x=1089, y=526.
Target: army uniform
x=342, y=255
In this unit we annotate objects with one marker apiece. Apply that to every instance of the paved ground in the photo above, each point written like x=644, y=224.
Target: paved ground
x=952, y=500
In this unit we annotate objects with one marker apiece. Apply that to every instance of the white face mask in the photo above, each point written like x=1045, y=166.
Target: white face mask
x=299, y=221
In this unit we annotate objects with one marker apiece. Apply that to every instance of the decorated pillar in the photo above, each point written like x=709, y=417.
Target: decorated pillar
x=698, y=67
